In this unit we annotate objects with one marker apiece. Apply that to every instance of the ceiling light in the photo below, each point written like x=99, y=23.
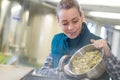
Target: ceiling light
x=117, y=27
x=105, y=15
x=115, y=3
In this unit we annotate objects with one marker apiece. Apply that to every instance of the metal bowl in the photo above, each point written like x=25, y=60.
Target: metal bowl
x=96, y=71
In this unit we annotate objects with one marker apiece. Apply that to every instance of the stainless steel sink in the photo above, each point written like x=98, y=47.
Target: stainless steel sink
x=34, y=76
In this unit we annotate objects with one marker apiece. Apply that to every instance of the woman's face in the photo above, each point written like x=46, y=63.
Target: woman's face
x=70, y=22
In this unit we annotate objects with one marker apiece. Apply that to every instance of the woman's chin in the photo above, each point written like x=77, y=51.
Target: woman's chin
x=72, y=37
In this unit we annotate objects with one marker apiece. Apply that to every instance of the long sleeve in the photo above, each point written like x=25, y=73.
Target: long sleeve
x=47, y=69
x=113, y=67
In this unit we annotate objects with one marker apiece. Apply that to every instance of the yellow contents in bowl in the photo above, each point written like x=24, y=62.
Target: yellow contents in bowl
x=83, y=63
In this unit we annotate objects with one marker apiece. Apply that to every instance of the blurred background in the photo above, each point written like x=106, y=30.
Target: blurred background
x=28, y=26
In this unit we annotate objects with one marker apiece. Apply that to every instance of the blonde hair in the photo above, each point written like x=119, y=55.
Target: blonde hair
x=67, y=4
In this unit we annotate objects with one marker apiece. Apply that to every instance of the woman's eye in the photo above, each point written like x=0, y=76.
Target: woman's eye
x=65, y=24
x=75, y=21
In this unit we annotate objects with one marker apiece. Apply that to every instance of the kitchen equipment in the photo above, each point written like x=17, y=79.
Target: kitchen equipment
x=33, y=76
x=96, y=71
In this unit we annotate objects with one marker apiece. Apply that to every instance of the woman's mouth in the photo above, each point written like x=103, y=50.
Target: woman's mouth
x=72, y=33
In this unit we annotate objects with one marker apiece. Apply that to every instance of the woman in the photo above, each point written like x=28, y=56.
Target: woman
x=75, y=35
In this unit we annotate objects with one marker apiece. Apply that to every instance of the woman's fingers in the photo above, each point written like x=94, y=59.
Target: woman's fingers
x=101, y=43
x=92, y=40
x=96, y=43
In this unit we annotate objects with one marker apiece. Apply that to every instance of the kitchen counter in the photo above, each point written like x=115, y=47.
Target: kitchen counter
x=13, y=72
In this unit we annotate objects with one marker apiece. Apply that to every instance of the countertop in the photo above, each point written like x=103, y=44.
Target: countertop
x=13, y=72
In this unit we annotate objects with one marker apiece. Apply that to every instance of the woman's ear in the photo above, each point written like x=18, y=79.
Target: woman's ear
x=82, y=16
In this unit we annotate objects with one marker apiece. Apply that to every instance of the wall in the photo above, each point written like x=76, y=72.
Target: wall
x=42, y=26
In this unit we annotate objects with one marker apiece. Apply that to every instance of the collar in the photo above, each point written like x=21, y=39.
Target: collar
x=75, y=42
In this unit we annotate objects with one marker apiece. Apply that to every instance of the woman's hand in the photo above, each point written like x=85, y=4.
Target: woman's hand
x=66, y=70
x=101, y=43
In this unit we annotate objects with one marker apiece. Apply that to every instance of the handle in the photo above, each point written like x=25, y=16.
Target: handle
x=62, y=61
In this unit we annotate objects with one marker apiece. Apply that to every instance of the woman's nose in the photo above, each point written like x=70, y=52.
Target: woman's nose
x=70, y=27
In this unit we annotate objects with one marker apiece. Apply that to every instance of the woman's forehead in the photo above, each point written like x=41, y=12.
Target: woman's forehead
x=68, y=13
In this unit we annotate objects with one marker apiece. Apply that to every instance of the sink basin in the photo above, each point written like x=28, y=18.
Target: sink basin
x=33, y=76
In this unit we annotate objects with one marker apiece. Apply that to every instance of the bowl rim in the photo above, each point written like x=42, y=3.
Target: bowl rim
x=92, y=67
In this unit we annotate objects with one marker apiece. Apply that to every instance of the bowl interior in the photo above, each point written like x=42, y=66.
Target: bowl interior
x=80, y=52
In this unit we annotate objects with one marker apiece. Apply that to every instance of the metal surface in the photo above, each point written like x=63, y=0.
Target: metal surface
x=94, y=72
x=33, y=76
x=62, y=60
